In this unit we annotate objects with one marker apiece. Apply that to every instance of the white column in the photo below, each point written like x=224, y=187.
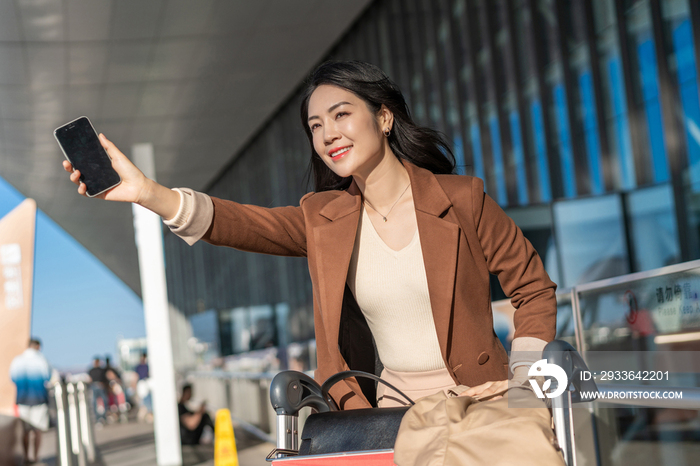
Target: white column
x=149, y=242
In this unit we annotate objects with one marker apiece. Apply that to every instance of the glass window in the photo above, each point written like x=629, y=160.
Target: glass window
x=534, y=137
x=614, y=97
x=467, y=80
x=586, y=125
x=590, y=239
x=681, y=62
x=566, y=327
x=645, y=82
x=652, y=224
x=558, y=113
x=251, y=328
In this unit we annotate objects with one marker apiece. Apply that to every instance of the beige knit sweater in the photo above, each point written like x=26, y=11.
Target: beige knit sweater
x=391, y=288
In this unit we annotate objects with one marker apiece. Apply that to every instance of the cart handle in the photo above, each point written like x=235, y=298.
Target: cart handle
x=291, y=390
x=565, y=356
x=334, y=379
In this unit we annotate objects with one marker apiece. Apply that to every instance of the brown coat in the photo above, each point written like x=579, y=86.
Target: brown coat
x=464, y=235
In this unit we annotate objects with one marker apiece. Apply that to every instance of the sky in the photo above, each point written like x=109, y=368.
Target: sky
x=79, y=307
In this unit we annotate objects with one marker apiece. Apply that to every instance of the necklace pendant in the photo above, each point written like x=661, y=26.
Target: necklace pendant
x=384, y=219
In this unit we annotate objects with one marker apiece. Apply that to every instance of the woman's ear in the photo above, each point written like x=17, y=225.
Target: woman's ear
x=386, y=119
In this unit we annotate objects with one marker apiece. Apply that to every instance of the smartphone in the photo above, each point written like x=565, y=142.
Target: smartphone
x=82, y=148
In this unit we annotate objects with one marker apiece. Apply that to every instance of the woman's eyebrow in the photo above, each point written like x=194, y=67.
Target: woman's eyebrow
x=332, y=107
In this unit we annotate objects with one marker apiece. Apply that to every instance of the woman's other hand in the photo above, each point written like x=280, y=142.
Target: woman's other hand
x=133, y=181
x=135, y=186
x=486, y=389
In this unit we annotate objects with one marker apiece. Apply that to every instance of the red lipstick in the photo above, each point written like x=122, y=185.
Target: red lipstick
x=339, y=152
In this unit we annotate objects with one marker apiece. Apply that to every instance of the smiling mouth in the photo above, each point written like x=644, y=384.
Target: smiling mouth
x=337, y=153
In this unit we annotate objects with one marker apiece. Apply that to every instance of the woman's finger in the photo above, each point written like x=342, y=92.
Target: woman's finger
x=67, y=166
x=82, y=189
x=109, y=146
x=75, y=177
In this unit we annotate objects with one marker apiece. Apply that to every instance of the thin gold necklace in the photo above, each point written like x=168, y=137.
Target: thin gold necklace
x=392, y=207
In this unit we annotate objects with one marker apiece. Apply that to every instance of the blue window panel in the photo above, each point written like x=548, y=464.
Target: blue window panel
x=541, y=151
x=622, y=129
x=476, y=152
x=458, y=148
x=519, y=157
x=567, y=156
x=501, y=195
x=687, y=80
x=590, y=128
x=650, y=92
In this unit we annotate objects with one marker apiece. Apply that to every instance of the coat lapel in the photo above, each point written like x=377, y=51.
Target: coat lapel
x=336, y=241
x=439, y=239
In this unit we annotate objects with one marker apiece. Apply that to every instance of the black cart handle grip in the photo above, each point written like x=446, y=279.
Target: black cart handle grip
x=292, y=390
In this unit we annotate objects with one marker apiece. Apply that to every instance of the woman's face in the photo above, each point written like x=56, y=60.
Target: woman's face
x=346, y=134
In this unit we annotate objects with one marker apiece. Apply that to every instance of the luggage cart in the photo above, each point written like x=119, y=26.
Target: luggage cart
x=290, y=391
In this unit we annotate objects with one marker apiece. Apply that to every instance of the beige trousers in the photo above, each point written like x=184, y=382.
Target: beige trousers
x=414, y=384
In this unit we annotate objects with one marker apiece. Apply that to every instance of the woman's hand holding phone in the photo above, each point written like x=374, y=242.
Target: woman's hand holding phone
x=133, y=180
x=135, y=186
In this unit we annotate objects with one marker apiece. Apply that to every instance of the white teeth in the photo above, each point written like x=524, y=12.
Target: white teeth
x=335, y=154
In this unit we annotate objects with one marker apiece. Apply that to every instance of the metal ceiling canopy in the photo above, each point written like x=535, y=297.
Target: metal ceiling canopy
x=194, y=78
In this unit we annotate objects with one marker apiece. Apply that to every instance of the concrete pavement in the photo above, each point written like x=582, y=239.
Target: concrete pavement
x=132, y=444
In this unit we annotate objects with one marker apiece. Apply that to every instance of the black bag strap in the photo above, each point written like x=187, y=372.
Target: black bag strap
x=334, y=379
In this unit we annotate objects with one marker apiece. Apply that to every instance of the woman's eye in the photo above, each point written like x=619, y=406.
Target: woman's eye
x=313, y=127
x=339, y=114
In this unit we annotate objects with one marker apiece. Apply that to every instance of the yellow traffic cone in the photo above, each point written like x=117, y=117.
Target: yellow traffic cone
x=225, y=453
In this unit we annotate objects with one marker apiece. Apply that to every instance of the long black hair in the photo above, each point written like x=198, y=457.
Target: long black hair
x=421, y=146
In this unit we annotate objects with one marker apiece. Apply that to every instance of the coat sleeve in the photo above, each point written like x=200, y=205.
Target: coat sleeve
x=511, y=257
x=279, y=230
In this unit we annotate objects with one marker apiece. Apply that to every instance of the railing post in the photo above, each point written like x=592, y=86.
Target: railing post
x=564, y=426
x=76, y=445
x=84, y=406
x=263, y=404
x=64, y=450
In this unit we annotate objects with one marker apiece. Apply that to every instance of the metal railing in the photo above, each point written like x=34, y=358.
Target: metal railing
x=75, y=436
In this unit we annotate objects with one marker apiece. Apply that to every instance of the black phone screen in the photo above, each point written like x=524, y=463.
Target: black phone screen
x=84, y=151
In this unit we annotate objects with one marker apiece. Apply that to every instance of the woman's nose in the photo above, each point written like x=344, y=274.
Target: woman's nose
x=330, y=134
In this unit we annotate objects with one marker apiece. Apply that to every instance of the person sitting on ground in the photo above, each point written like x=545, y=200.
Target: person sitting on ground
x=192, y=423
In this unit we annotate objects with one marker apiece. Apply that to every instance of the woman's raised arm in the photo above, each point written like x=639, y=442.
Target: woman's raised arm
x=135, y=186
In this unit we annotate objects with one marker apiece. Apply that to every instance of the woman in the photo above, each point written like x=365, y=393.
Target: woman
x=399, y=250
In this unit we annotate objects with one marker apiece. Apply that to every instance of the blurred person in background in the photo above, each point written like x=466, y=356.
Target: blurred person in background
x=30, y=371
x=142, y=367
x=194, y=424
x=143, y=390
x=98, y=384
x=115, y=391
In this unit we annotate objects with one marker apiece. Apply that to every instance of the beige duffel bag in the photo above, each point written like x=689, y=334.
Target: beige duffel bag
x=453, y=430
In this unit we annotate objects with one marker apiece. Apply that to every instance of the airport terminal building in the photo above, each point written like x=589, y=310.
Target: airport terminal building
x=582, y=118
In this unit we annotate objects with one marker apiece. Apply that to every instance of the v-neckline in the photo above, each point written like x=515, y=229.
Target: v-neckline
x=365, y=217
